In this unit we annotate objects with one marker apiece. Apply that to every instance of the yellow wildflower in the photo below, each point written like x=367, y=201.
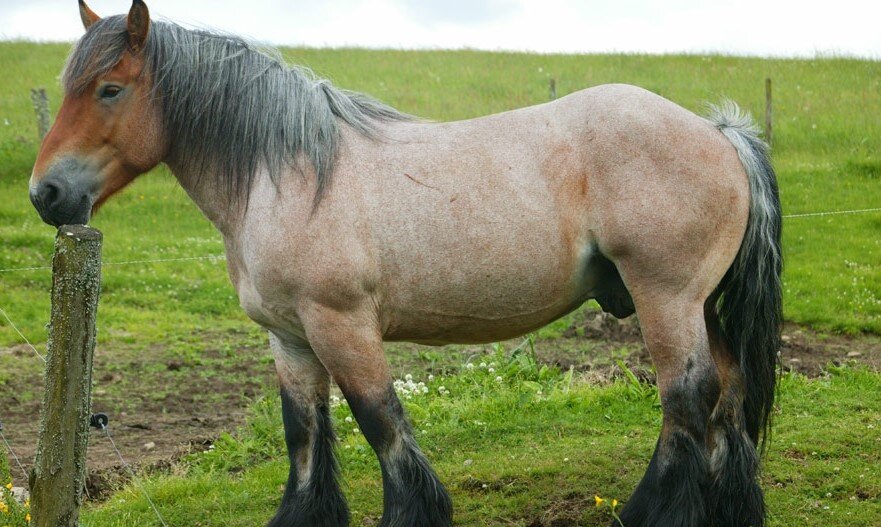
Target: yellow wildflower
x=27, y=503
x=27, y=517
x=614, y=503
x=4, y=508
x=599, y=501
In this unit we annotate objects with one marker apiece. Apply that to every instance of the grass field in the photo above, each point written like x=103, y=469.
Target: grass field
x=590, y=439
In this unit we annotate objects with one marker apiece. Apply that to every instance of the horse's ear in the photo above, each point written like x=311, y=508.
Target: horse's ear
x=87, y=15
x=138, y=25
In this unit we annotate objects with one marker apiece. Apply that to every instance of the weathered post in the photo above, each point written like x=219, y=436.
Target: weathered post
x=769, y=114
x=552, y=88
x=59, y=473
x=41, y=108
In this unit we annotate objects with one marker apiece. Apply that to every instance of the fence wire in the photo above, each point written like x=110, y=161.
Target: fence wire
x=127, y=262
x=133, y=476
x=122, y=460
x=831, y=213
x=20, y=334
x=9, y=449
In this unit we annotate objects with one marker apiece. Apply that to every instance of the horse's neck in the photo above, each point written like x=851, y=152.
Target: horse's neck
x=291, y=194
x=212, y=199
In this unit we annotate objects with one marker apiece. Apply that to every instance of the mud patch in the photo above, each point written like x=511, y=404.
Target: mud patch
x=163, y=404
x=595, y=343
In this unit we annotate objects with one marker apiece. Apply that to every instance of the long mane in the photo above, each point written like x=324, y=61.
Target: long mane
x=231, y=108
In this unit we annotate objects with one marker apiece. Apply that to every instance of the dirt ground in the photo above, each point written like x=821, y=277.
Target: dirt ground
x=604, y=339
x=162, y=409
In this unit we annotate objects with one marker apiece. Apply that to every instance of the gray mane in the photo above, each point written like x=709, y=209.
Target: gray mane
x=229, y=108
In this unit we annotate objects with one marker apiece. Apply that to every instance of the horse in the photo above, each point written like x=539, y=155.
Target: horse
x=347, y=223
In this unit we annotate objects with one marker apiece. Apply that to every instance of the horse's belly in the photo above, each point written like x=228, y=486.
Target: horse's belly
x=498, y=290
x=437, y=328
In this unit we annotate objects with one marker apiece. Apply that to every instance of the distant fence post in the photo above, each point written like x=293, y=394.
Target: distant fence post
x=41, y=108
x=769, y=113
x=552, y=86
x=59, y=473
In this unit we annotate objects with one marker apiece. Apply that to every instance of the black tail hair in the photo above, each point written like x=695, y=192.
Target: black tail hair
x=750, y=306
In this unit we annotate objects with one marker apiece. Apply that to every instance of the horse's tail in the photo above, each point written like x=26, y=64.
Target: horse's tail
x=750, y=305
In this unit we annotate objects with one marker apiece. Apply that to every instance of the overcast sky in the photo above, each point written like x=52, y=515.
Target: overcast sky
x=751, y=27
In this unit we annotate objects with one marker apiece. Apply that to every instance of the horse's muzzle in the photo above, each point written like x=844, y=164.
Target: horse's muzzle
x=62, y=201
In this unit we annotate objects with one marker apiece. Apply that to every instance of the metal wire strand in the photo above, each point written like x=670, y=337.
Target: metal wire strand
x=20, y=334
x=133, y=476
x=223, y=257
x=12, y=452
x=126, y=262
x=831, y=213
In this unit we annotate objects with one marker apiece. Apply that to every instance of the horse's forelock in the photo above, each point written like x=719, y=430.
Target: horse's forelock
x=95, y=54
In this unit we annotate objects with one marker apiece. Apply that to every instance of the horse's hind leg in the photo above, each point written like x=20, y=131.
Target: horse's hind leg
x=736, y=500
x=312, y=496
x=413, y=496
x=674, y=490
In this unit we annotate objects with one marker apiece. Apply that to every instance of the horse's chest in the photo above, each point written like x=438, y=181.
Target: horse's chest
x=266, y=303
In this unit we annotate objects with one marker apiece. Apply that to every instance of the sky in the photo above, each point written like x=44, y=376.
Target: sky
x=803, y=28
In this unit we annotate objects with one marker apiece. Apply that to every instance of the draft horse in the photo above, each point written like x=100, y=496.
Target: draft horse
x=347, y=223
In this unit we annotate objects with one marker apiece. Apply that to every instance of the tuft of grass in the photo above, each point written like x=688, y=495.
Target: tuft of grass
x=5, y=474
x=12, y=513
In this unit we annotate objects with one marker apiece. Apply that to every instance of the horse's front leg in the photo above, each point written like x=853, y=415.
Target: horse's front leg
x=350, y=347
x=312, y=496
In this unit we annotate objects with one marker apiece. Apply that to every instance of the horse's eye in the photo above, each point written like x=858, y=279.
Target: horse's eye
x=110, y=91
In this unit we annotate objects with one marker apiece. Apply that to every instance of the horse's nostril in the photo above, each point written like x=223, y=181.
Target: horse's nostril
x=50, y=195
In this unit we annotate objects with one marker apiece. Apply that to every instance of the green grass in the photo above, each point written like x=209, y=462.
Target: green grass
x=537, y=446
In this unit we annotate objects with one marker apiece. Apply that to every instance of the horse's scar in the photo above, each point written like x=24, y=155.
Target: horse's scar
x=413, y=179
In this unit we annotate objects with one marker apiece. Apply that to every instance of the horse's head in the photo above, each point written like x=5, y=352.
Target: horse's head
x=108, y=130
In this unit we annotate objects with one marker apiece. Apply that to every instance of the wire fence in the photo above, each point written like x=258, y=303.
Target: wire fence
x=217, y=257
x=99, y=424
x=832, y=213
x=221, y=257
x=104, y=428
x=133, y=475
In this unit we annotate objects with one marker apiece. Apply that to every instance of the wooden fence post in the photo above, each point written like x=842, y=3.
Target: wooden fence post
x=768, y=112
x=552, y=86
x=41, y=108
x=59, y=473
